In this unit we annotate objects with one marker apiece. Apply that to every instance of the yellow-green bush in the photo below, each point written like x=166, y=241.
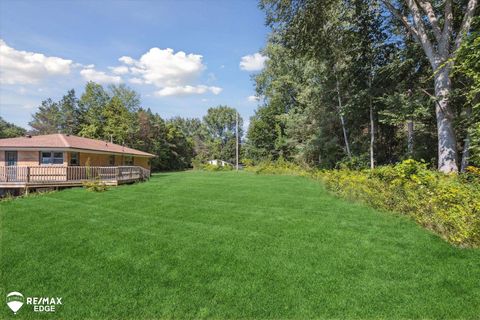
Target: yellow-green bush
x=95, y=185
x=278, y=167
x=212, y=167
x=447, y=204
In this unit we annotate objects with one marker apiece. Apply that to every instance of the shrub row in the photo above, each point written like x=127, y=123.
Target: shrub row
x=212, y=167
x=447, y=204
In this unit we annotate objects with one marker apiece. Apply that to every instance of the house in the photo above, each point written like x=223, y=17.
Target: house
x=67, y=160
x=219, y=163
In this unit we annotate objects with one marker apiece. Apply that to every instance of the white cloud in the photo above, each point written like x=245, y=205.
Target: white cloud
x=253, y=62
x=187, y=90
x=173, y=73
x=215, y=90
x=126, y=60
x=165, y=68
x=119, y=70
x=135, y=80
x=90, y=74
x=23, y=67
x=253, y=98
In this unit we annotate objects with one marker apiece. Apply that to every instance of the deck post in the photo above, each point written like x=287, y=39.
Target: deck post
x=28, y=175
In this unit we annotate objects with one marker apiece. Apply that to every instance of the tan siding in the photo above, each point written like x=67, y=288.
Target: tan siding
x=118, y=160
x=100, y=160
x=142, y=162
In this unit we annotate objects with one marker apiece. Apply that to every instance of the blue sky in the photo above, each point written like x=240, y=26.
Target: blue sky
x=48, y=47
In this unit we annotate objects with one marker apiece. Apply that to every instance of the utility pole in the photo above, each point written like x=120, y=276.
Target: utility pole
x=236, y=135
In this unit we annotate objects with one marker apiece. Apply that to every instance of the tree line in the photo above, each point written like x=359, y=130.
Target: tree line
x=115, y=114
x=367, y=82
x=359, y=83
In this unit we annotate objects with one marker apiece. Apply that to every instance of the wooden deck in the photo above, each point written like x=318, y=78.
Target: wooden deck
x=17, y=177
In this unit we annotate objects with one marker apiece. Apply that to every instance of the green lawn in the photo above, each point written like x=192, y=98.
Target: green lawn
x=228, y=245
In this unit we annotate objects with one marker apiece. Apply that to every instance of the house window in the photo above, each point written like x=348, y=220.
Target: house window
x=49, y=157
x=74, y=158
x=128, y=160
x=111, y=160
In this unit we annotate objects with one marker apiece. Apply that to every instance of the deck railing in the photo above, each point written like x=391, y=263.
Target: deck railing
x=49, y=174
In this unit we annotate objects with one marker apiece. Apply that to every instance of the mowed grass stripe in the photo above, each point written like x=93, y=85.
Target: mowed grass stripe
x=229, y=245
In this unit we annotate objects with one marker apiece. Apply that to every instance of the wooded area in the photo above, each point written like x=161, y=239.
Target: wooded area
x=368, y=83
x=358, y=83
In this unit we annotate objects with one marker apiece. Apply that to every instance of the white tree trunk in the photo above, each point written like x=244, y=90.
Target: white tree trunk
x=372, y=138
x=438, y=53
x=342, y=120
x=410, y=137
x=447, y=143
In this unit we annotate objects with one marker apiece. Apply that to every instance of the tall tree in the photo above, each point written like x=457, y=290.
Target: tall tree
x=92, y=102
x=220, y=123
x=433, y=27
x=47, y=119
x=118, y=121
x=9, y=130
x=467, y=64
x=69, y=113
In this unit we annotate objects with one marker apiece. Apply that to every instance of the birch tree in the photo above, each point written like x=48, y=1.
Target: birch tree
x=435, y=32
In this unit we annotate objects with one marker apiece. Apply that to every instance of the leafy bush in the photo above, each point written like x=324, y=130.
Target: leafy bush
x=472, y=174
x=95, y=185
x=197, y=164
x=212, y=167
x=278, y=167
x=354, y=163
x=447, y=204
x=247, y=162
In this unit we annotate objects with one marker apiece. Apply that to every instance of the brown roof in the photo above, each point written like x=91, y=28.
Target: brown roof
x=59, y=140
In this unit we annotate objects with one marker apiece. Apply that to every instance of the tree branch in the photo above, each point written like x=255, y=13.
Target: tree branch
x=402, y=19
x=447, y=27
x=432, y=18
x=422, y=34
x=466, y=23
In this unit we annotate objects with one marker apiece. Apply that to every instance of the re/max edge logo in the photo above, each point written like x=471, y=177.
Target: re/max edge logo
x=15, y=300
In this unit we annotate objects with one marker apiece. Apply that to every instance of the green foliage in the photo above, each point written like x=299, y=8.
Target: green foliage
x=449, y=205
x=61, y=116
x=202, y=165
x=278, y=167
x=344, y=78
x=93, y=182
x=212, y=167
x=91, y=103
x=9, y=130
x=471, y=175
x=95, y=185
x=467, y=64
x=118, y=121
x=354, y=163
x=115, y=114
x=220, y=130
x=329, y=64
